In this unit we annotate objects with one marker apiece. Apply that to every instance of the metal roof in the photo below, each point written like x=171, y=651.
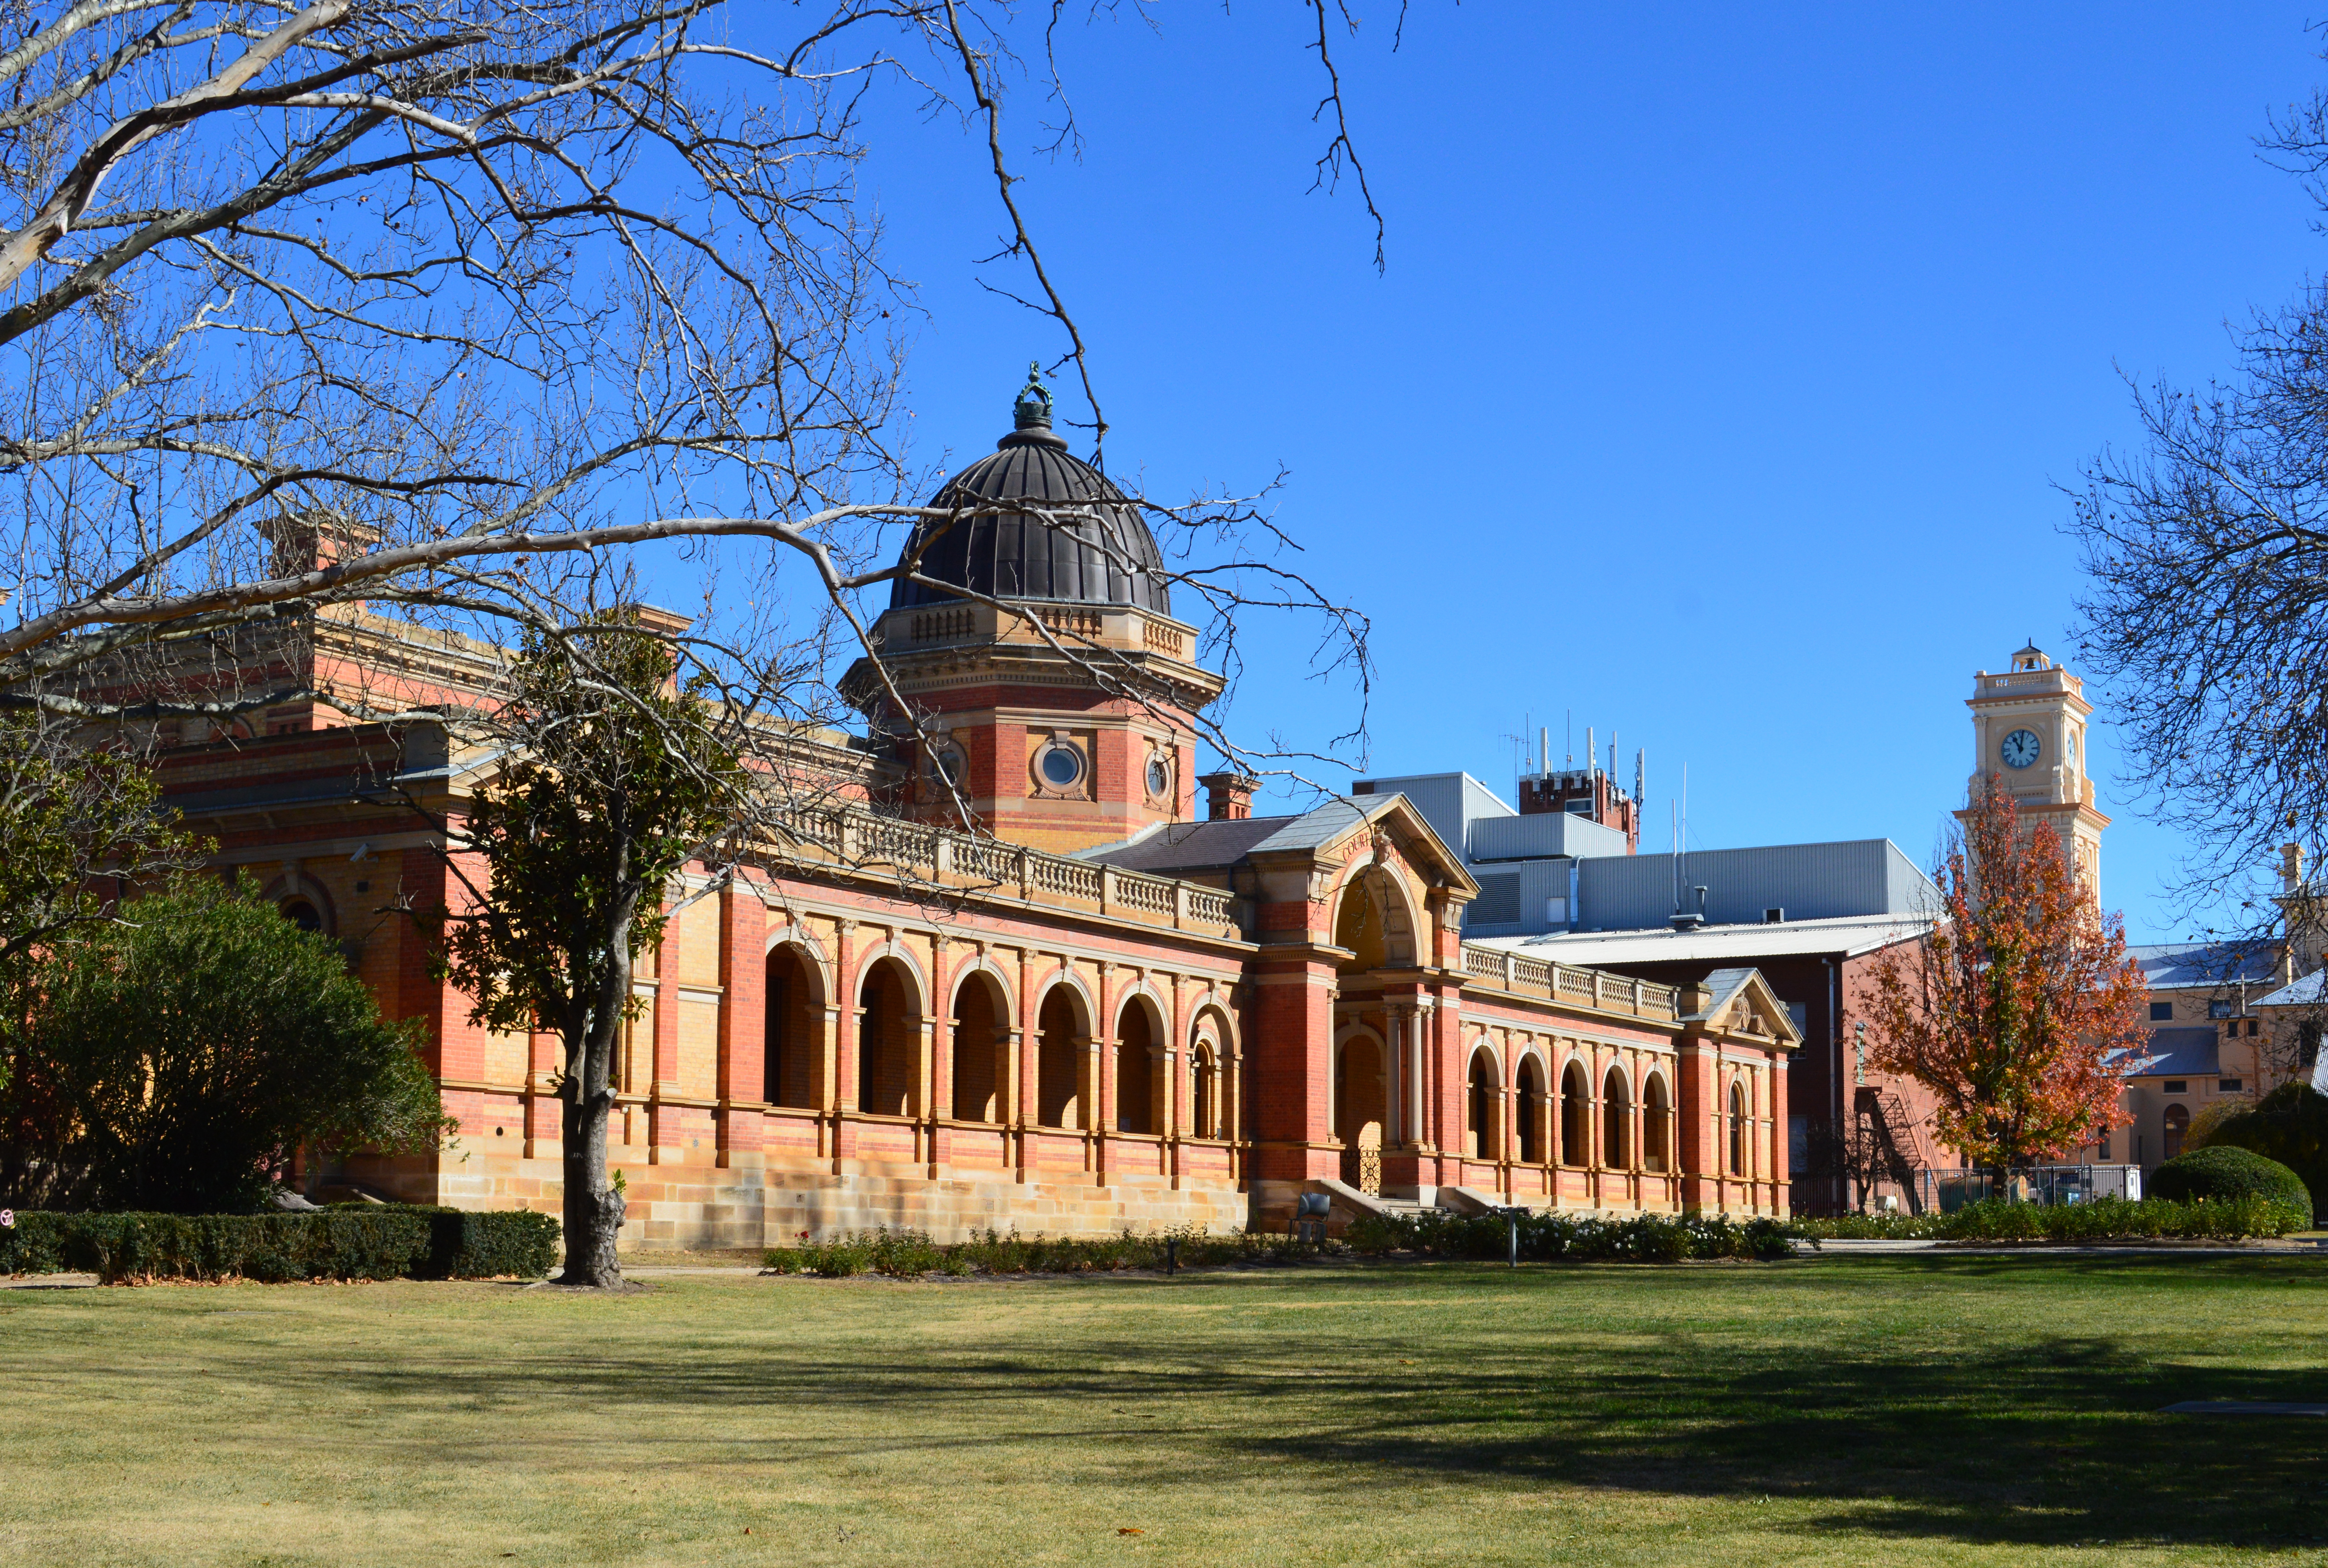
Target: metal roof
x=1795, y=938
x=2304, y=993
x=2179, y=1053
x=2170, y=965
x=1109, y=558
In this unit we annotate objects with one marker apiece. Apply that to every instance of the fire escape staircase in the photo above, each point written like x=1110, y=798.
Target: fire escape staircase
x=1884, y=1117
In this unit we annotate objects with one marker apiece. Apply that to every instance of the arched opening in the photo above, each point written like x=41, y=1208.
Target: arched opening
x=1530, y=1111
x=1135, y=1069
x=885, y=1032
x=1657, y=1124
x=980, y=1038
x=302, y=912
x=789, y=1047
x=1359, y=1105
x=1615, y=1103
x=1480, y=1128
x=1737, y=1129
x=1205, y=1090
x=1575, y=1117
x=1058, y=1051
x=2178, y=1125
x=1372, y=923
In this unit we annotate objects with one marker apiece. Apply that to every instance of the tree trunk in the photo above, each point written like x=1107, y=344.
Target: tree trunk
x=594, y=1210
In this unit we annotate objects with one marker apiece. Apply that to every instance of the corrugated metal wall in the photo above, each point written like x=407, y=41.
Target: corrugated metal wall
x=1808, y=881
x=1541, y=835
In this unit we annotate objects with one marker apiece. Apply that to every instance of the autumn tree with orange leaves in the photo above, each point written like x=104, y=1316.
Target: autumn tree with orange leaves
x=2011, y=1008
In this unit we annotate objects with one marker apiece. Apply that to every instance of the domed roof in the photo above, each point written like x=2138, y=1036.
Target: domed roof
x=1109, y=558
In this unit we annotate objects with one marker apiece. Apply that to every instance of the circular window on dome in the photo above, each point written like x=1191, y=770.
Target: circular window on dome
x=1160, y=775
x=1060, y=766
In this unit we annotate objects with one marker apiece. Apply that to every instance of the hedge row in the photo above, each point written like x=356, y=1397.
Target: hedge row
x=1554, y=1237
x=909, y=1254
x=2105, y=1219
x=352, y=1241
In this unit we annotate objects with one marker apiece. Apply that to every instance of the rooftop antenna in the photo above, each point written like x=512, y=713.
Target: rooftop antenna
x=1591, y=752
x=1568, y=741
x=1640, y=780
x=1544, y=752
x=1612, y=756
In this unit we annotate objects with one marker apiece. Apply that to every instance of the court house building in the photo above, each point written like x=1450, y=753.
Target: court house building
x=1027, y=969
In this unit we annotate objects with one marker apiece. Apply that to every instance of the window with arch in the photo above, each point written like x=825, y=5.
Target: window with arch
x=1657, y=1124
x=2178, y=1127
x=302, y=912
x=1205, y=1090
x=1136, y=1069
x=1530, y=1112
x=1737, y=1129
x=1575, y=1116
x=1485, y=1103
x=1615, y=1103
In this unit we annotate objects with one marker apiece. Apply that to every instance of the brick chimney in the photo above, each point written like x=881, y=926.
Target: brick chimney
x=1228, y=796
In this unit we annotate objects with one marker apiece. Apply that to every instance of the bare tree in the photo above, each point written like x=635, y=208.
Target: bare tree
x=2207, y=614
x=378, y=300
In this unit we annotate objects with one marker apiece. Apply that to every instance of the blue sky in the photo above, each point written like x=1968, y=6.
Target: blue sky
x=1721, y=379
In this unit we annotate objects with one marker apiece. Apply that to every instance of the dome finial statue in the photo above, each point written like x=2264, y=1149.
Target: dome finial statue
x=1032, y=407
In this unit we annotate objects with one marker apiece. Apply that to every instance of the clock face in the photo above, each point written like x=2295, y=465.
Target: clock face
x=2020, y=748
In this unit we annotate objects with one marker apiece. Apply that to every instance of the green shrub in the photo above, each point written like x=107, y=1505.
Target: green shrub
x=355, y=1242
x=1549, y=1237
x=174, y=1059
x=2290, y=1125
x=907, y=1253
x=1866, y=1227
x=2226, y=1171
x=2108, y=1219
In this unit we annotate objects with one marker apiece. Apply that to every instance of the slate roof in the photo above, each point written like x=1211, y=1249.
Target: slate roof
x=1725, y=984
x=1180, y=847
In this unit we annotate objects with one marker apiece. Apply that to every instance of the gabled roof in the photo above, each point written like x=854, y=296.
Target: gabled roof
x=1742, y=990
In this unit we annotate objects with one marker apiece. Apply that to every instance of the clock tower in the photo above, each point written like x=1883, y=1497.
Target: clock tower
x=2029, y=732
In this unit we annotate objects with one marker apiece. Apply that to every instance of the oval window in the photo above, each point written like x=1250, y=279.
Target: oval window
x=1061, y=766
x=1159, y=777
x=948, y=763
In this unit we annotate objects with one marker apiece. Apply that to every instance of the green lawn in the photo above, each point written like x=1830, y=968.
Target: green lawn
x=1901, y=1409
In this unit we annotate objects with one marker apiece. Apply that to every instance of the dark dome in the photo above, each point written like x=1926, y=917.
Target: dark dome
x=1110, y=559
